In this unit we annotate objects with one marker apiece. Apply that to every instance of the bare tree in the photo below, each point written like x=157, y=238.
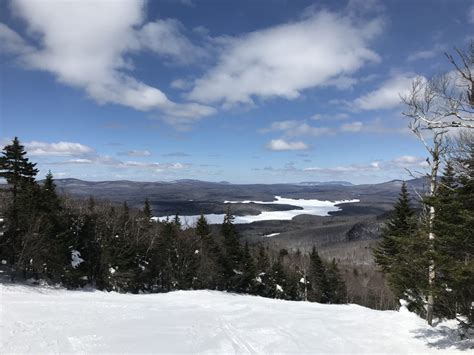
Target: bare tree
x=435, y=107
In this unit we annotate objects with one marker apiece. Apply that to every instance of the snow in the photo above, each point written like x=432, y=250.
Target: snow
x=46, y=320
x=311, y=207
x=76, y=259
x=271, y=235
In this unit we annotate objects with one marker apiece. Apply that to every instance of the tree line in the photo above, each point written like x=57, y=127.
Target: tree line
x=405, y=254
x=77, y=243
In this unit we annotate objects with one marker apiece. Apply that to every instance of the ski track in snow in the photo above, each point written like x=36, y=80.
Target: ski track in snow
x=46, y=320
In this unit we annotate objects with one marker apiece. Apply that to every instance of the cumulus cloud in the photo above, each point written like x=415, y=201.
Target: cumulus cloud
x=87, y=47
x=36, y=148
x=11, y=42
x=387, y=95
x=166, y=37
x=323, y=48
x=283, y=145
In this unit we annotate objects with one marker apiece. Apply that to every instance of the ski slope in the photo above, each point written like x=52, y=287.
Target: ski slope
x=46, y=320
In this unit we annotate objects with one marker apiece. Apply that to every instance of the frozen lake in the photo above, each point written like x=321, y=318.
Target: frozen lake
x=311, y=207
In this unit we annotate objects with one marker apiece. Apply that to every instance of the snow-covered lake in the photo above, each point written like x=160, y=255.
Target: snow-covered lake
x=56, y=321
x=311, y=207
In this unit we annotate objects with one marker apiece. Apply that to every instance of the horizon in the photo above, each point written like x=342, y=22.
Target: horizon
x=271, y=92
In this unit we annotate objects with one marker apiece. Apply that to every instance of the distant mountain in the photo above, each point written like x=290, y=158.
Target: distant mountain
x=322, y=183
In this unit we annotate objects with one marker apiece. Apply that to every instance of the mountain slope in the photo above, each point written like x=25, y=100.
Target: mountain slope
x=42, y=320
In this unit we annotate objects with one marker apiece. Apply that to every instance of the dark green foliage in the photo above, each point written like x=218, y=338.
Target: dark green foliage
x=403, y=254
x=454, y=243
x=317, y=279
x=147, y=212
x=336, y=288
x=400, y=227
x=15, y=167
x=232, y=258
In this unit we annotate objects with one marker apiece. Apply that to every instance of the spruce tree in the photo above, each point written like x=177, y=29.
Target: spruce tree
x=20, y=175
x=233, y=251
x=147, y=212
x=399, y=227
x=337, y=292
x=454, y=248
x=317, y=278
x=15, y=167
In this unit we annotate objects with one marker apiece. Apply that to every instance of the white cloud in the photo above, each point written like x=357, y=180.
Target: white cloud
x=11, y=42
x=407, y=161
x=136, y=153
x=296, y=128
x=36, y=148
x=283, y=145
x=352, y=127
x=336, y=116
x=387, y=95
x=324, y=48
x=470, y=15
x=403, y=162
x=166, y=38
x=86, y=47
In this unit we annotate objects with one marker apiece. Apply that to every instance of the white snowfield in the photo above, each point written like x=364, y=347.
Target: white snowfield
x=45, y=320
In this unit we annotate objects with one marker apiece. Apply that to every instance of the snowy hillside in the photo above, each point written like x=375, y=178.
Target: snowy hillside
x=42, y=320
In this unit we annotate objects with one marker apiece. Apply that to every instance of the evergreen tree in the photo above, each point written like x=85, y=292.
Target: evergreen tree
x=147, y=212
x=15, y=167
x=202, y=227
x=210, y=271
x=262, y=263
x=20, y=175
x=454, y=247
x=317, y=277
x=247, y=280
x=337, y=292
x=399, y=227
x=177, y=221
x=232, y=263
x=50, y=200
x=404, y=255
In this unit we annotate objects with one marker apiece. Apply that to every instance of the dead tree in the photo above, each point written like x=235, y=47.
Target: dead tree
x=435, y=107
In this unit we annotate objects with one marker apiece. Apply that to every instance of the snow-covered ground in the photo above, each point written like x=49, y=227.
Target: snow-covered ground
x=45, y=320
x=311, y=207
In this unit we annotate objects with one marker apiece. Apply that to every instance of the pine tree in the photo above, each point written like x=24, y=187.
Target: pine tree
x=404, y=255
x=399, y=227
x=20, y=175
x=177, y=221
x=147, y=212
x=49, y=197
x=317, y=278
x=233, y=252
x=454, y=247
x=247, y=280
x=337, y=292
x=15, y=167
x=202, y=227
x=211, y=259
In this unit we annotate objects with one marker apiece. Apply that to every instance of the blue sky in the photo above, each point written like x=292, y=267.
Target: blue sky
x=241, y=91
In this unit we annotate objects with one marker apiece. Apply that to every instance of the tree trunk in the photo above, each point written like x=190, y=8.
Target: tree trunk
x=431, y=235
